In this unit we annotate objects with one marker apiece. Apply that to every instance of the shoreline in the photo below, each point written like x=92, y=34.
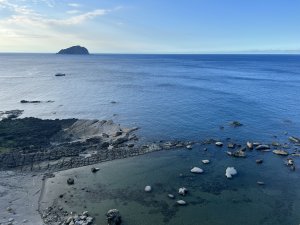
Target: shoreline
x=90, y=140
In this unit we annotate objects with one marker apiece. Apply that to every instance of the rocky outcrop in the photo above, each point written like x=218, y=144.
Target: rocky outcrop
x=74, y=50
x=113, y=217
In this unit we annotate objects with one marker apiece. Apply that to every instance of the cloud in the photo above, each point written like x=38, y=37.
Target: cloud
x=73, y=11
x=75, y=5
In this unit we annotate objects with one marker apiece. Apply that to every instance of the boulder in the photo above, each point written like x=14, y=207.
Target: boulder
x=189, y=146
x=249, y=145
x=181, y=202
x=171, y=196
x=205, y=161
x=219, y=143
x=294, y=139
x=70, y=181
x=280, y=152
x=94, y=169
x=182, y=191
x=197, y=170
x=113, y=217
x=148, y=189
x=262, y=147
x=230, y=171
x=259, y=161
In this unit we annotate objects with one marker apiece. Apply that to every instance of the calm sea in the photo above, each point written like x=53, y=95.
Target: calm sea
x=174, y=97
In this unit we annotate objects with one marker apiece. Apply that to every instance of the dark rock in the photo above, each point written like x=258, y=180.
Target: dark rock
x=25, y=101
x=94, y=170
x=60, y=74
x=74, y=50
x=113, y=217
x=70, y=181
x=236, y=124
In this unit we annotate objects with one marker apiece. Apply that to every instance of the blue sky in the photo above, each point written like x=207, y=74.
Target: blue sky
x=151, y=26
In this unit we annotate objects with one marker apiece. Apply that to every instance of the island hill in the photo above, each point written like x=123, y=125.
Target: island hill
x=74, y=50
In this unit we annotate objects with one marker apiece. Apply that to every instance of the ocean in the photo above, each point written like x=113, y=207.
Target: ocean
x=186, y=97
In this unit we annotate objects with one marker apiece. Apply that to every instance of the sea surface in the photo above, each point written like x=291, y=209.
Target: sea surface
x=185, y=97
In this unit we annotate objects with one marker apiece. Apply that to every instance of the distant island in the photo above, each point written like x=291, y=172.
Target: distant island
x=74, y=50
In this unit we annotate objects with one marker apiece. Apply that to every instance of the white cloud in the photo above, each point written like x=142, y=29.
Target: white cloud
x=73, y=11
x=75, y=5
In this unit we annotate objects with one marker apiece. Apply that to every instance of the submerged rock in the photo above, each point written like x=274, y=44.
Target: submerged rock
x=171, y=196
x=230, y=171
x=197, y=170
x=113, y=217
x=280, y=152
x=231, y=145
x=259, y=161
x=60, y=74
x=260, y=183
x=236, y=124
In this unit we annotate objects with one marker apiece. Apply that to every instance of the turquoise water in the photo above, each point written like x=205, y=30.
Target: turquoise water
x=186, y=97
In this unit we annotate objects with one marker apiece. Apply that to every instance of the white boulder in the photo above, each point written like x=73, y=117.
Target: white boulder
x=148, y=188
x=181, y=202
x=205, y=161
x=197, y=170
x=230, y=171
x=182, y=191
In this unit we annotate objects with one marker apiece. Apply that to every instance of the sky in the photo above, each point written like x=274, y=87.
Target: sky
x=151, y=26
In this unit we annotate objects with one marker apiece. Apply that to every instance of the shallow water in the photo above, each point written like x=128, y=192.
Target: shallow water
x=184, y=97
x=212, y=198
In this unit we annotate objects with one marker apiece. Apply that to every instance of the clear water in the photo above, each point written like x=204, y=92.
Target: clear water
x=173, y=97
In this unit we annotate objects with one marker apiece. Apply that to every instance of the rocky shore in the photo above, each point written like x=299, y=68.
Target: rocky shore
x=31, y=149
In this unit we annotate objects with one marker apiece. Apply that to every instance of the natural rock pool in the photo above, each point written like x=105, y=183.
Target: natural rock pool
x=212, y=198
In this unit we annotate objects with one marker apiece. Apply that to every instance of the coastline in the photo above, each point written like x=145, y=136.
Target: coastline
x=90, y=138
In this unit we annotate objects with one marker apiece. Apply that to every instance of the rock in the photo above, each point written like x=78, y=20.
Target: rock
x=236, y=124
x=171, y=196
x=60, y=74
x=280, y=152
x=113, y=102
x=239, y=154
x=205, y=161
x=249, y=145
x=25, y=101
x=289, y=162
x=113, y=217
x=231, y=145
x=74, y=50
x=182, y=191
x=94, y=170
x=259, y=161
x=130, y=145
x=294, y=139
x=189, y=146
x=262, y=147
x=230, y=171
x=197, y=170
x=181, y=202
x=260, y=183
x=70, y=181
x=276, y=144
x=148, y=189
x=120, y=140
x=219, y=143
